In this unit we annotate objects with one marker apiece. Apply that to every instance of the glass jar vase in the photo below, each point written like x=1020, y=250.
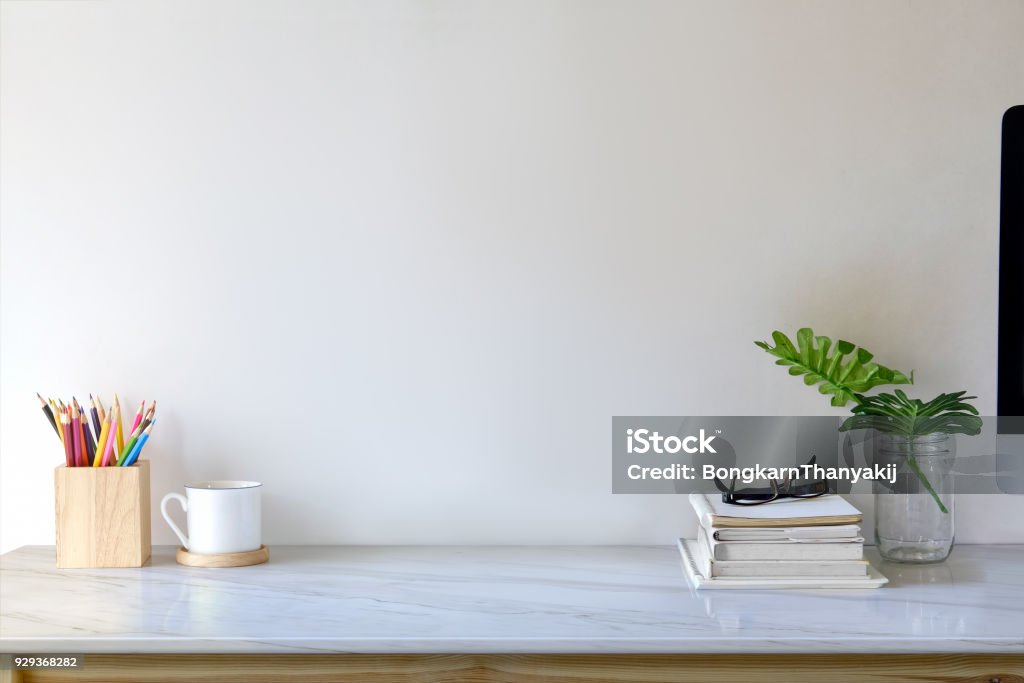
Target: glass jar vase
x=914, y=515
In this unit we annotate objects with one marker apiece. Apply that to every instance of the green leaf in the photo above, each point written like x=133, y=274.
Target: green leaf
x=897, y=413
x=782, y=339
x=822, y=363
x=823, y=346
x=805, y=340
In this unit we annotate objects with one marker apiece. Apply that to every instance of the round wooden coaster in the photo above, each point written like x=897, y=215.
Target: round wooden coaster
x=245, y=559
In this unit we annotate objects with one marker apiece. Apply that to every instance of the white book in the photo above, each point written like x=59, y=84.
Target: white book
x=828, y=510
x=774, y=568
x=791, y=533
x=812, y=549
x=700, y=581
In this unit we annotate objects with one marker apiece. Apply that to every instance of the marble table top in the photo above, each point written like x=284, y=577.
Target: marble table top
x=497, y=600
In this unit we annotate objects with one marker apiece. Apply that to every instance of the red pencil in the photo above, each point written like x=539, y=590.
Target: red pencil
x=76, y=434
x=66, y=429
x=83, y=426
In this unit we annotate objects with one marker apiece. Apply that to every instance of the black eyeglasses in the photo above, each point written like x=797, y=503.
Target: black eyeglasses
x=787, y=488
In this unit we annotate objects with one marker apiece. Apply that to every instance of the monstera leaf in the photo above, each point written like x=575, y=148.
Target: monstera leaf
x=841, y=369
x=899, y=414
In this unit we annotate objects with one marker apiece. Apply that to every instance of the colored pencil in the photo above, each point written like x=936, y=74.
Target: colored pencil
x=120, y=429
x=76, y=441
x=65, y=426
x=128, y=446
x=89, y=435
x=138, y=416
x=95, y=414
x=101, y=443
x=49, y=414
x=108, y=449
x=71, y=434
x=100, y=408
x=81, y=438
x=56, y=416
x=90, y=443
x=134, y=455
x=83, y=453
x=149, y=417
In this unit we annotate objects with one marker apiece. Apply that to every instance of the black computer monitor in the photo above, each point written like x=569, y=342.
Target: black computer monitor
x=1011, y=275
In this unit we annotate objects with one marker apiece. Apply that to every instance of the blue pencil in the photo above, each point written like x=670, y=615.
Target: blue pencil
x=137, y=448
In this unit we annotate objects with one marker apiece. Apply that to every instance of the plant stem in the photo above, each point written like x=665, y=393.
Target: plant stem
x=924, y=480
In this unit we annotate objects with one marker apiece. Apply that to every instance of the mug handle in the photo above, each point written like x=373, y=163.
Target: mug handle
x=184, y=506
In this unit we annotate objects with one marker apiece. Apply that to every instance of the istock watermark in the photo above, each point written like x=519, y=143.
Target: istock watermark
x=682, y=454
x=646, y=440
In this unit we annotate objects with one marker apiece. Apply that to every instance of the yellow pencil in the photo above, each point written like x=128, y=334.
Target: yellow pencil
x=56, y=412
x=119, y=442
x=101, y=442
x=99, y=409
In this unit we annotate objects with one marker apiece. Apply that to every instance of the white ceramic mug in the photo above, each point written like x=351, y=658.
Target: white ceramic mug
x=222, y=516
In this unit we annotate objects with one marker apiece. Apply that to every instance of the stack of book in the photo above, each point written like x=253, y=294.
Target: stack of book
x=788, y=543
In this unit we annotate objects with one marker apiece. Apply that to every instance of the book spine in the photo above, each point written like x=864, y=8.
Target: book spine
x=703, y=554
x=702, y=507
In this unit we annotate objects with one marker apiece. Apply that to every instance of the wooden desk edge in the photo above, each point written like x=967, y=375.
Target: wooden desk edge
x=534, y=668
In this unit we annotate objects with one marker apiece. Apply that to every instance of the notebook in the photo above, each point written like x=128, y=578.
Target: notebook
x=846, y=549
x=713, y=512
x=774, y=568
x=790, y=533
x=688, y=551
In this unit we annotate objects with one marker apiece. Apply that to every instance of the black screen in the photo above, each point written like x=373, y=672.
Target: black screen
x=1011, y=274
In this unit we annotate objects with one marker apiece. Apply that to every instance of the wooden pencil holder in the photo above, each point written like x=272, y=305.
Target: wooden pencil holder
x=103, y=516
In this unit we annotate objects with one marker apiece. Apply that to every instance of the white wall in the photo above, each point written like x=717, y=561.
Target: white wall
x=403, y=261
